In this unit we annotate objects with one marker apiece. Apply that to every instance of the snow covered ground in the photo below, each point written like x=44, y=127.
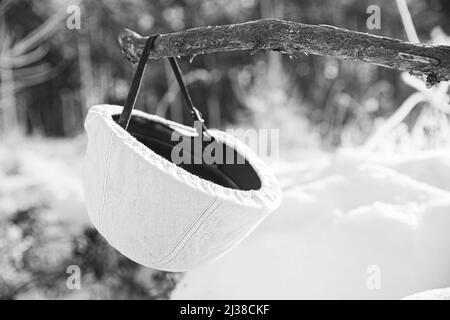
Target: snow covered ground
x=351, y=225
x=436, y=294
x=50, y=171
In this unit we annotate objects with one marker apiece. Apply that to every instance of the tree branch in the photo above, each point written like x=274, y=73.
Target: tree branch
x=433, y=61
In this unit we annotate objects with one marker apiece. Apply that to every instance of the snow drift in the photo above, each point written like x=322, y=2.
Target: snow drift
x=350, y=226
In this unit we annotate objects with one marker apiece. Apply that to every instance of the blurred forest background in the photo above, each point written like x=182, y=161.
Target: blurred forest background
x=50, y=75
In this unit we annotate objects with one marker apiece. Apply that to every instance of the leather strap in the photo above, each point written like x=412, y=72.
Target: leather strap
x=124, y=119
x=193, y=111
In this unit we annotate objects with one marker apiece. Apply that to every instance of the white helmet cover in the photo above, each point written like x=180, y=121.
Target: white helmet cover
x=158, y=214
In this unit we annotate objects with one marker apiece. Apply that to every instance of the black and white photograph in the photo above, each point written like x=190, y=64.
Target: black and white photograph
x=237, y=151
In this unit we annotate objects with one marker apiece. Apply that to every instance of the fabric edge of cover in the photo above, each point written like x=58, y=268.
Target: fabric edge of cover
x=266, y=199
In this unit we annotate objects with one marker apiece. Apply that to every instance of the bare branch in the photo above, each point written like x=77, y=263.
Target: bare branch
x=25, y=59
x=433, y=61
x=43, y=32
x=5, y=6
x=408, y=23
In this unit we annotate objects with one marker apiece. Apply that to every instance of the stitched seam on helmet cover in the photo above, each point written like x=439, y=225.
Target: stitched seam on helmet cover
x=105, y=183
x=180, y=249
x=186, y=232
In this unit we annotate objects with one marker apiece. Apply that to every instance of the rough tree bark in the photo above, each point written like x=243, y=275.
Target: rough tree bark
x=432, y=61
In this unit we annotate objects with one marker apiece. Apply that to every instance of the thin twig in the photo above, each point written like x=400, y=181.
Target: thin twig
x=408, y=23
x=43, y=32
x=390, y=124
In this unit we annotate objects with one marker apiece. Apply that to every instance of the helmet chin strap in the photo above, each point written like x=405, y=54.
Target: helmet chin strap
x=195, y=114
